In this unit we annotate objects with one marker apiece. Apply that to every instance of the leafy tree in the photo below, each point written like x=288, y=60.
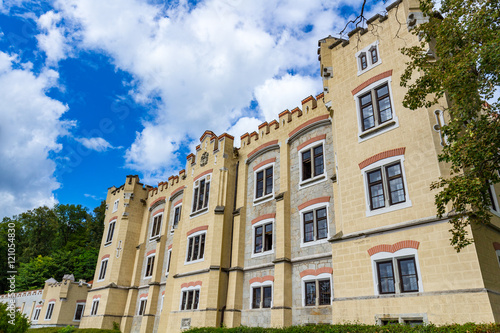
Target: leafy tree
x=20, y=323
x=465, y=39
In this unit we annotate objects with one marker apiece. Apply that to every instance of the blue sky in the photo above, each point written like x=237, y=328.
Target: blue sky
x=92, y=90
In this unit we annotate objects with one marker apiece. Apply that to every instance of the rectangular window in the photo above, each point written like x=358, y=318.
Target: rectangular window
x=102, y=271
x=169, y=257
x=263, y=240
x=150, y=266
x=374, y=55
x=155, y=230
x=312, y=162
x=262, y=297
x=317, y=292
x=95, y=306
x=196, y=247
x=201, y=194
x=387, y=179
x=177, y=217
x=36, y=315
x=111, y=231
x=115, y=205
x=190, y=299
x=492, y=198
x=79, y=311
x=142, y=307
x=315, y=225
x=405, y=280
x=374, y=114
x=264, y=182
x=362, y=61
x=50, y=309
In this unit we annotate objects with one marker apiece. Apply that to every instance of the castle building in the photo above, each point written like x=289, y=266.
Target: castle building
x=323, y=215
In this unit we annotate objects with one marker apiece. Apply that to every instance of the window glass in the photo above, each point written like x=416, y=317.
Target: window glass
x=386, y=277
x=324, y=292
x=408, y=274
x=310, y=293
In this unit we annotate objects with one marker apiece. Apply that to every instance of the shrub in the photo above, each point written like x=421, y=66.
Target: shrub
x=12, y=322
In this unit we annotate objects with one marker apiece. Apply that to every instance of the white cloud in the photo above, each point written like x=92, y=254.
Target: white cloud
x=30, y=126
x=97, y=144
x=52, y=40
x=242, y=126
x=276, y=95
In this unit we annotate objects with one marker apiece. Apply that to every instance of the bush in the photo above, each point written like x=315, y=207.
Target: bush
x=18, y=323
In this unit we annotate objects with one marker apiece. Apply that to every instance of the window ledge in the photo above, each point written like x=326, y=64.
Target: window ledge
x=373, y=131
x=316, y=242
x=199, y=212
x=263, y=199
x=107, y=244
x=312, y=181
x=154, y=238
x=389, y=209
x=194, y=261
x=265, y=253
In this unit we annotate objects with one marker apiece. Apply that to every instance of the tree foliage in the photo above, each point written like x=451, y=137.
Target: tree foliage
x=18, y=324
x=463, y=69
x=51, y=242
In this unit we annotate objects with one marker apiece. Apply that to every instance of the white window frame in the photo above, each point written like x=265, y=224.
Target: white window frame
x=141, y=301
x=497, y=252
x=169, y=259
x=161, y=303
x=260, y=285
x=314, y=179
x=316, y=278
x=314, y=208
x=109, y=239
x=148, y=258
x=95, y=307
x=262, y=224
x=115, y=205
x=151, y=236
x=187, y=290
x=367, y=52
x=179, y=207
x=76, y=309
x=198, y=233
x=379, y=128
x=50, y=310
x=400, y=254
x=203, y=210
x=495, y=202
x=264, y=197
x=380, y=165
x=35, y=315
x=105, y=270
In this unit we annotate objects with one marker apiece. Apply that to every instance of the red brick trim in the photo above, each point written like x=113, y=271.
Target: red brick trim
x=198, y=147
x=189, y=156
x=320, y=96
x=207, y=132
x=177, y=202
x=296, y=110
x=113, y=218
x=307, y=99
x=270, y=160
x=96, y=296
x=371, y=80
x=203, y=174
x=177, y=190
x=316, y=272
x=225, y=135
x=38, y=306
x=496, y=246
x=267, y=144
x=159, y=199
x=81, y=301
x=163, y=292
x=169, y=247
x=263, y=124
x=143, y=296
x=192, y=231
x=191, y=284
x=244, y=136
x=263, y=217
x=262, y=279
x=406, y=244
x=307, y=123
x=283, y=113
x=105, y=257
x=316, y=138
x=51, y=300
x=150, y=252
x=158, y=211
x=313, y=202
x=381, y=156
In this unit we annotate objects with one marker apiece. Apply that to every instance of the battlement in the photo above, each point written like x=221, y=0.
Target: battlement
x=274, y=128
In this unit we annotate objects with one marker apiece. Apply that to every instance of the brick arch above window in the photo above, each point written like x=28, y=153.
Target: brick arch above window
x=151, y=252
x=263, y=217
x=316, y=272
x=371, y=80
x=113, y=218
x=394, y=247
x=143, y=296
x=308, y=142
x=261, y=164
x=313, y=202
x=157, y=201
x=200, y=228
x=106, y=256
x=262, y=279
x=381, y=156
x=191, y=284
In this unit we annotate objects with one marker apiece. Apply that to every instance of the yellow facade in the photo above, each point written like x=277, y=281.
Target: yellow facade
x=294, y=226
